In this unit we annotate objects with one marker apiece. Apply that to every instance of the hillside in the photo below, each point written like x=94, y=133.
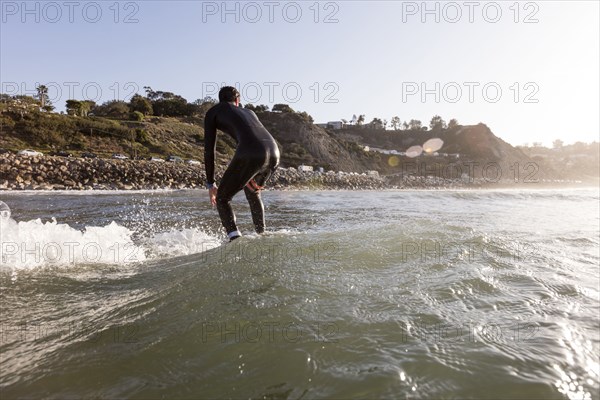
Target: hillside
x=475, y=142
x=475, y=145
x=155, y=136
x=300, y=141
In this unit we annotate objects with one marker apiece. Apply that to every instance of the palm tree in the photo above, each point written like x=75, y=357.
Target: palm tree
x=42, y=94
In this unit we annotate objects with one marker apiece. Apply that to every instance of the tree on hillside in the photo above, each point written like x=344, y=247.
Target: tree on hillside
x=140, y=104
x=201, y=106
x=86, y=107
x=306, y=116
x=376, y=123
x=206, y=99
x=284, y=108
x=558, y=144
x=113, y=109
x=257, y=109
x=42, y=95
x=405, y=126
x=437, y=123
x=73, y=107
x=395, y=123
x=168, y=104
x=360, y=120
x=415, y=125
x=151, y=94
x=79, y=108
x=453, y=123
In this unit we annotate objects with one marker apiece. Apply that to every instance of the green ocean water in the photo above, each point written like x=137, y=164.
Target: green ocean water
x=394, y=294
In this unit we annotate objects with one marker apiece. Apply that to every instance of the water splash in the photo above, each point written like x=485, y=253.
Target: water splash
x=179, y=243
x=32, y=244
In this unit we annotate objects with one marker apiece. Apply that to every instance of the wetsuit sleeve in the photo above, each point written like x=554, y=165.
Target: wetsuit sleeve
x=210, y=147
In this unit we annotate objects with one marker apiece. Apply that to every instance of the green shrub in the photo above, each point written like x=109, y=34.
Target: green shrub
x=137, y=116
x=141, y=136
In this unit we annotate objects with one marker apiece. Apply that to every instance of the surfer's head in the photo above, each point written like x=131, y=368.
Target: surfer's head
x=229, y=94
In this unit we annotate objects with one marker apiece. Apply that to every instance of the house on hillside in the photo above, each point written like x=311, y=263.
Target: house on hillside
x=335, y=124
x=332, y=125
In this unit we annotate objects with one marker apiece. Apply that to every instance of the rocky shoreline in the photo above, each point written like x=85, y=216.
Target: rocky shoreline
x=58, y=173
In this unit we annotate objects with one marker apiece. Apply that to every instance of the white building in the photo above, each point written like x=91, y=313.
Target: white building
x=335, y=124
x=332, y=125
x=305, y=168
x=384, y=151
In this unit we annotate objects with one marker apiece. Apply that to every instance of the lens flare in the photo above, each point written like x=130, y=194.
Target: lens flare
x=432, y=145
x=414, y=151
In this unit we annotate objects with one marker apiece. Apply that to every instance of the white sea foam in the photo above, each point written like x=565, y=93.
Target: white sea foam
x=179, y=243
x=31, y=244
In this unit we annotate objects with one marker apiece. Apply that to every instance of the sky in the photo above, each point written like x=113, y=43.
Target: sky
x=528, y=70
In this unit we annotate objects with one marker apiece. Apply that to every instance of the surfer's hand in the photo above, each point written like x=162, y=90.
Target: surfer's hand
x=212, y=193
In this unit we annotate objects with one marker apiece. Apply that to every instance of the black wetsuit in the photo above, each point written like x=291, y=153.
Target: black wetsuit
x=256, y=158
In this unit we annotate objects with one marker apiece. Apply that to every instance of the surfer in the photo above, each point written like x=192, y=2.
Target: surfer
x=256, y=158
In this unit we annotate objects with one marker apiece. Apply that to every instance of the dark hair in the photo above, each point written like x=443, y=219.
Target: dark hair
x=228, y=94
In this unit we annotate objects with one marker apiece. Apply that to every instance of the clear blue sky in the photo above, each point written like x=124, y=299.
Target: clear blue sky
x=376, y=58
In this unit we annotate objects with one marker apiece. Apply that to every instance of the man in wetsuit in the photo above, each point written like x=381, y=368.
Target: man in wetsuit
x=256, y=158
